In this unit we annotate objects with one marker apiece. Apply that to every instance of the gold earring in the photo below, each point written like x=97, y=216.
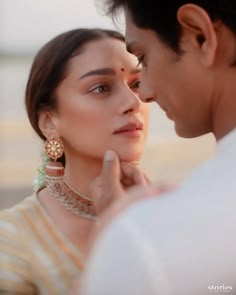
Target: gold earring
x=54, y=149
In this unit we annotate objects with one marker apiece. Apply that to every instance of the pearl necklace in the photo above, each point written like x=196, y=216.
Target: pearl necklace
x=70, y=198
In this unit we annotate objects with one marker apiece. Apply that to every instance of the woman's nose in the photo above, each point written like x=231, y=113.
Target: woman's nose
x=131, y=102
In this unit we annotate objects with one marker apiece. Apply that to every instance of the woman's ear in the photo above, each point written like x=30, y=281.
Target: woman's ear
x=47, y=124
x=198, y=33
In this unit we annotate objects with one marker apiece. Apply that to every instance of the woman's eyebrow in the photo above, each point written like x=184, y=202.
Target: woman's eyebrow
x=135, y=71
x=101, y=72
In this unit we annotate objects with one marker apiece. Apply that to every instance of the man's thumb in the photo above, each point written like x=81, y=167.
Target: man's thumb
x=111, y=168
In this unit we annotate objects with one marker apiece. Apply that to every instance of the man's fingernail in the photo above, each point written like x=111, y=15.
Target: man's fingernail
x=109, y=156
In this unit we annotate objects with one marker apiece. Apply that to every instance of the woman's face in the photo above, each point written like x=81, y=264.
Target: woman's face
x=98, y=106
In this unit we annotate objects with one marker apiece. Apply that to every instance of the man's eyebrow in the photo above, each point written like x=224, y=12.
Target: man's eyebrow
x=99, y=72
x=129, y=46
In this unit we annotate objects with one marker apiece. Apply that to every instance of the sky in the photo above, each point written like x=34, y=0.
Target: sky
x=25, y=25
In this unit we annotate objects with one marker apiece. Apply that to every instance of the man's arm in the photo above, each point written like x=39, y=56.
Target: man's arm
x=123, y=263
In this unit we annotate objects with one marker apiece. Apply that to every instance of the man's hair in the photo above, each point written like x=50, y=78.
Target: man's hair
x=160, y=15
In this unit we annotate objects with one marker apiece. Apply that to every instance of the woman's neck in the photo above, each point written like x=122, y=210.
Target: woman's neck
x=81, y=171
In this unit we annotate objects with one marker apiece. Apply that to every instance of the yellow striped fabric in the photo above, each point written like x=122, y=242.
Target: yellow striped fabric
x=34, y=257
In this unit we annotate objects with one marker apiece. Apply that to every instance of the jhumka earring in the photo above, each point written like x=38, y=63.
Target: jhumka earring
x=54, y=170
x=70, y=198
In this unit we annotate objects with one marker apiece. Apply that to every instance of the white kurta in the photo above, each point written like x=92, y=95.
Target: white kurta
x=183, y=243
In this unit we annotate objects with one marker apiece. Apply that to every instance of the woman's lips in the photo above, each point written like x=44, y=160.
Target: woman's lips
x=130, y=130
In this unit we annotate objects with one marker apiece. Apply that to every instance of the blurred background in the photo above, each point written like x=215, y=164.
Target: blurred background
x=24, y=27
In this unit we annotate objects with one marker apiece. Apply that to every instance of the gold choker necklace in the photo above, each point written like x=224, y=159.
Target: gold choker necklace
x=70, y=198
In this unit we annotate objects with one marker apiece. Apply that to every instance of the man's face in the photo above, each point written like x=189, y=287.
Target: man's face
x=178, y=83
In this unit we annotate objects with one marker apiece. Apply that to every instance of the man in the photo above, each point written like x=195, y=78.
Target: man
x=184, y=242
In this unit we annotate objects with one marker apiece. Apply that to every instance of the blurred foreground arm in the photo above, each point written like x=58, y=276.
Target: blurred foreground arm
x=122, y=264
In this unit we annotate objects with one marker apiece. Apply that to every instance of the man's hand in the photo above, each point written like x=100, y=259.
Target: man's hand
x=114, y=180
x=118, y=186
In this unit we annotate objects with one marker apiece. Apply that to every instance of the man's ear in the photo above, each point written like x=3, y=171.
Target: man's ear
x=198, y=32
x=47, y=124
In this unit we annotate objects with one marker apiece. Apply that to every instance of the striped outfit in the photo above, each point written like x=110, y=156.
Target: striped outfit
x=35, y=258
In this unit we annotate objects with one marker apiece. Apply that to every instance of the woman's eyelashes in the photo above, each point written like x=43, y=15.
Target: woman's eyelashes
x=107, y=89
x=101, y=88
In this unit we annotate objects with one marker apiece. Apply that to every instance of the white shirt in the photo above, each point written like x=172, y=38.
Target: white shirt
x=183, y=243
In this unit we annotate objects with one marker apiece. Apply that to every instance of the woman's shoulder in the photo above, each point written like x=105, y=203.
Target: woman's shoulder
x=27, y=202
x=15, y=255
x=15, y=223
x=16, y=213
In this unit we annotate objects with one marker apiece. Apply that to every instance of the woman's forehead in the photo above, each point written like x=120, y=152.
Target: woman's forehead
x=103, y=53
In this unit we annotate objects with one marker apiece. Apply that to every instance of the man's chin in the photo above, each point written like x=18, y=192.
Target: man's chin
x=187, y=132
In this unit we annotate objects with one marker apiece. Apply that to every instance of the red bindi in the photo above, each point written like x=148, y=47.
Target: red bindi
x=122, y=69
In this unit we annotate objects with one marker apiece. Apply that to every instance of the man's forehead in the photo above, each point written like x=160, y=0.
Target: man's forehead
x=131, y=31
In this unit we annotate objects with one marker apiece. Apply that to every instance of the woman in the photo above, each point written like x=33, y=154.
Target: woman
x=81, y=99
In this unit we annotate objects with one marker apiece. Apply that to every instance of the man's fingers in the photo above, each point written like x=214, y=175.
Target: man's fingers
x=147, y=179
x=110, y=169
x=132, y=175
x=110, y=181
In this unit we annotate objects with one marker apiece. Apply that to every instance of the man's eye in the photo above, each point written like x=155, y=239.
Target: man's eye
x=100, y=89
x=136, y=85
x=140, y=60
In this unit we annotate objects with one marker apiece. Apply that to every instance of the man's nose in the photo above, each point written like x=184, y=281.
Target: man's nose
x=146, y=93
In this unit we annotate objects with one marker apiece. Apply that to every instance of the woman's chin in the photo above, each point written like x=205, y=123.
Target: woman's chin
x=130, y=158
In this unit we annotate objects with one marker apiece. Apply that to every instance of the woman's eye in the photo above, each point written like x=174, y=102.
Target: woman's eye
x=100, y=89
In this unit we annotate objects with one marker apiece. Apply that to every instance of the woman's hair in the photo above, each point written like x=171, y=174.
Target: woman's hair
x=49, y=68
x=160, y=15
